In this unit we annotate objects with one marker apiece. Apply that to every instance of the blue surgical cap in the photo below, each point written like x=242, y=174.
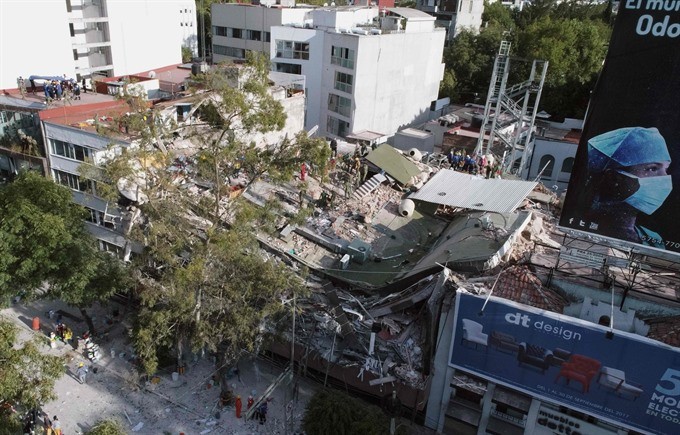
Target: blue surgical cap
x=626, y=147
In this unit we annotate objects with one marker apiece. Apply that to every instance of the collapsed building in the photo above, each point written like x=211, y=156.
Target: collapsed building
x=395, y=252
x=396, y=258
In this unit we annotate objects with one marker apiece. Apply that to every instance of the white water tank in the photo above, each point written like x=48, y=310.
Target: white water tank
x=415, y=154
x=406, y=207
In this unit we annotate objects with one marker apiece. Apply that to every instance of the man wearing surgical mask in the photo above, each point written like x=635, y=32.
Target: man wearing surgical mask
x=628, y=175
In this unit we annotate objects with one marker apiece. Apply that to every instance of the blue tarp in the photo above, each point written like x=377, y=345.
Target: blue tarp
x=50, y=78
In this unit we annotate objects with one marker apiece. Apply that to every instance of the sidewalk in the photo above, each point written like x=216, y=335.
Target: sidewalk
x=113, y=390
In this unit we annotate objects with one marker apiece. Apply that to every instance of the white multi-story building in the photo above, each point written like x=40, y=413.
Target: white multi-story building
x=80, y=38
x=454, y=15
x=239, y=27
x=367, y=69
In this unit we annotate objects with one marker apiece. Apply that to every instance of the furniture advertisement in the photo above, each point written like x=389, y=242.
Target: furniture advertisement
x=620, y=377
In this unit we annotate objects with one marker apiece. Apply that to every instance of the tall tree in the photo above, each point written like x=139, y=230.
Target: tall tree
x=571, y=35
x=45, y=249
x=575, y=50
x=203, y=282
x=27, y=375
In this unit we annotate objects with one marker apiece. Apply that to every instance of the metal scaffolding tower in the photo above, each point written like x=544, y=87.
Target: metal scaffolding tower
x=510, y=112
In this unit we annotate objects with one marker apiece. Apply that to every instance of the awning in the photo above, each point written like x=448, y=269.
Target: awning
x=461, y=190
x=394, y=163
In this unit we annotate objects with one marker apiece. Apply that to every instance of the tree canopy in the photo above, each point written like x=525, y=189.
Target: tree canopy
x=571, y=36
x=334, y=413
x=27, y=375
x=203, y=282
x=44, y=246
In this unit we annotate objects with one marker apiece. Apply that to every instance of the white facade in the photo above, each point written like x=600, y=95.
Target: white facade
x=239, y=27
x=364, y=71
x=454, y=15
x=393, y=60
x=555, y=158
x=84, y=37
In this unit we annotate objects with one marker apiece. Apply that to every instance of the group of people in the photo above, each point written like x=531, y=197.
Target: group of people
x=261, y=412
x=483, y=165
x=56, y=90
x=32, y=423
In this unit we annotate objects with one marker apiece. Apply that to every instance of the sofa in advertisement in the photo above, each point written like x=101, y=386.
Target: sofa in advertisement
x=622, y=378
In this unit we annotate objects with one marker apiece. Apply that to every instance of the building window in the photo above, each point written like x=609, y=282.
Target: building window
x=289, y=68
x=337, y=127
x=72, y=29
x=229, y=51
x=568, y=165
x=234, y=33
x=267, y=37
x=70, y=151
x=72, y=181
x=342, y=56
x=95, y=216
x=75, y=54
x=219, y=31
x=110, y=247
x=292, y=50
x=547, y=162
x=254, y=35
x=339, y=104
x=343, y=82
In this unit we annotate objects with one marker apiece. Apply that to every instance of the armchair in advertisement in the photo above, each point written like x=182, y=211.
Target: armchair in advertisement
x=472, y=333
x=533, y=355
x=615, y=380
x=581, y=369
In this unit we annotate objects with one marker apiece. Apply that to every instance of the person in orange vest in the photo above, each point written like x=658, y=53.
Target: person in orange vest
x=239, y=405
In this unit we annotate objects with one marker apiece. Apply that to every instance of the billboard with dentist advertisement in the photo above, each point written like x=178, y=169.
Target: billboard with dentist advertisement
x=623, y=378
x=625, y=183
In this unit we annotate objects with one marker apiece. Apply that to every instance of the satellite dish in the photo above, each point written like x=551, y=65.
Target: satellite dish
x=152, y=74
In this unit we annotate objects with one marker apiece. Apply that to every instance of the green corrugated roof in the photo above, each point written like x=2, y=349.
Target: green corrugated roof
x=393, y=163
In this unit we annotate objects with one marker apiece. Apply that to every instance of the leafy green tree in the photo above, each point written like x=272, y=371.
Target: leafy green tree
x=203, y=282
x=107, y=427
x=470, y=57
x=187, y=55
x=334, y=413
x=496, y=14
x=27, y=375
x=45, y=249
x=575, y=50
x=447, y=88
x=571, y=35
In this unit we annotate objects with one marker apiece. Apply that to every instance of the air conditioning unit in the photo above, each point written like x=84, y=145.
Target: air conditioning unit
x=359, y=250
x=344, y=261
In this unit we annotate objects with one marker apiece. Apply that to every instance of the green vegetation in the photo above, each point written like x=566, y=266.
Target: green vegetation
x=202, y=281
x=45, y=250
x=334, y=413
x=23, y=366
x=571, y=36
x=107, y=427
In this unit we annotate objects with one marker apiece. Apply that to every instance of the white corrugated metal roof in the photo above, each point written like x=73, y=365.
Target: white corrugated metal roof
x=457, y=189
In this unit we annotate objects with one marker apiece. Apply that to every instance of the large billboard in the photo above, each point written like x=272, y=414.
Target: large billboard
x=622, y=378
x=625, y=183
